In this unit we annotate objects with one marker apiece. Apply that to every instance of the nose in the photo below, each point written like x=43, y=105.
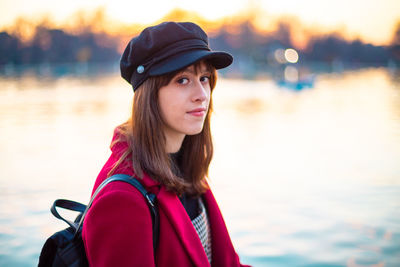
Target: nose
x=201, y=92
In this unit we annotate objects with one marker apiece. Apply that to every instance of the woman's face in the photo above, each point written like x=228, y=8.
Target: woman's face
x=184, y=102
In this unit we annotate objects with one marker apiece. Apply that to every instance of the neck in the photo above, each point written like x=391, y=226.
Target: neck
x=173, y=142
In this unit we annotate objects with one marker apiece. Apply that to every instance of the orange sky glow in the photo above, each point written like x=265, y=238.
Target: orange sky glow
x=372, y=21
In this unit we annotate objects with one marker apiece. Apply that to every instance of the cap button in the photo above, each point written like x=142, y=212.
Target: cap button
x=140, y=69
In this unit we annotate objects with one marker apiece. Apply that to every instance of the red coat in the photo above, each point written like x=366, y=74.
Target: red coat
x=118, y=228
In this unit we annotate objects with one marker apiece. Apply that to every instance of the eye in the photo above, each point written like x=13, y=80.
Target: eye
x=205, y=79
x=182, y=80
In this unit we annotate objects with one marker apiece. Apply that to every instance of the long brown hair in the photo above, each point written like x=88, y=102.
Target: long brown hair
x=145, y=137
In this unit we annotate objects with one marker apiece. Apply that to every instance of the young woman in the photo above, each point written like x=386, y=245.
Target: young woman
x=167, y=145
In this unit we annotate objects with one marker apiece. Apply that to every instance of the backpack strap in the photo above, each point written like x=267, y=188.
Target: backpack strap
x=69, y=205
x=151, y=202
x=150, y=198
x=76, y=206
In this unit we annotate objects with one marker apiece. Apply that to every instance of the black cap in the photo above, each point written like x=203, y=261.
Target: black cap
x=165, y=48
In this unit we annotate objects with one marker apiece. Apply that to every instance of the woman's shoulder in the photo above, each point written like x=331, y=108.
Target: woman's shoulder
x=118, y=215
x=120, y=187
x=120, y=195
x=118, y=203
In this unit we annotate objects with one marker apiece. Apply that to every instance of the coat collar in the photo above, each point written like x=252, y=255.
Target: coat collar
x=149, y=182
x=222, y=247
x=169, y=204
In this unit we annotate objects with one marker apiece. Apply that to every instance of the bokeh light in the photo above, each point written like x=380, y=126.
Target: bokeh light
x=279, y=56
x=291, y=55
x=291, y=74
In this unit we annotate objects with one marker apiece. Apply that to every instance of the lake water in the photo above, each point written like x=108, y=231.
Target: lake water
x=303, y=177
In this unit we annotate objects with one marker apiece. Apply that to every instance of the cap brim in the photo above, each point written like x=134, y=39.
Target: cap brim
x=218, y=60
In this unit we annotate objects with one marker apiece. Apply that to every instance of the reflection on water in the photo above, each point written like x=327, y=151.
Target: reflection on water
x=304, y=178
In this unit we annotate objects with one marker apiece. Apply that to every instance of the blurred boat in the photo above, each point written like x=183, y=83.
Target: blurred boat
x=300, y=84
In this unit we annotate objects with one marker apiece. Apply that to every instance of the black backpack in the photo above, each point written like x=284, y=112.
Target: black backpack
x=65, y=248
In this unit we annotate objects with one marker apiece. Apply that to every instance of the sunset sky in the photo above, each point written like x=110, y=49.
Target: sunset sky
x=371, y=20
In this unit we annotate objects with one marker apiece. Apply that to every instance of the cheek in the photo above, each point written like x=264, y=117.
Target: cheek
x=165, y=109
x=209, y=97
x=169, y=113
x=169, y=106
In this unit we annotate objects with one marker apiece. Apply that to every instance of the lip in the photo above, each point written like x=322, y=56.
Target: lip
x=198, y=112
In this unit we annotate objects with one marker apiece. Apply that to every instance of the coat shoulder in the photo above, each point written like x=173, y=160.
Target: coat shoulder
x=118, y=215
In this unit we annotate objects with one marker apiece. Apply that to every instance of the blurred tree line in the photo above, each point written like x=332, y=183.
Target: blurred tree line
x=248, y=43
x=43, y=43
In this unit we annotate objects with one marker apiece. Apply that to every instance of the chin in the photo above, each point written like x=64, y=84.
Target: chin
x=194, y=131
